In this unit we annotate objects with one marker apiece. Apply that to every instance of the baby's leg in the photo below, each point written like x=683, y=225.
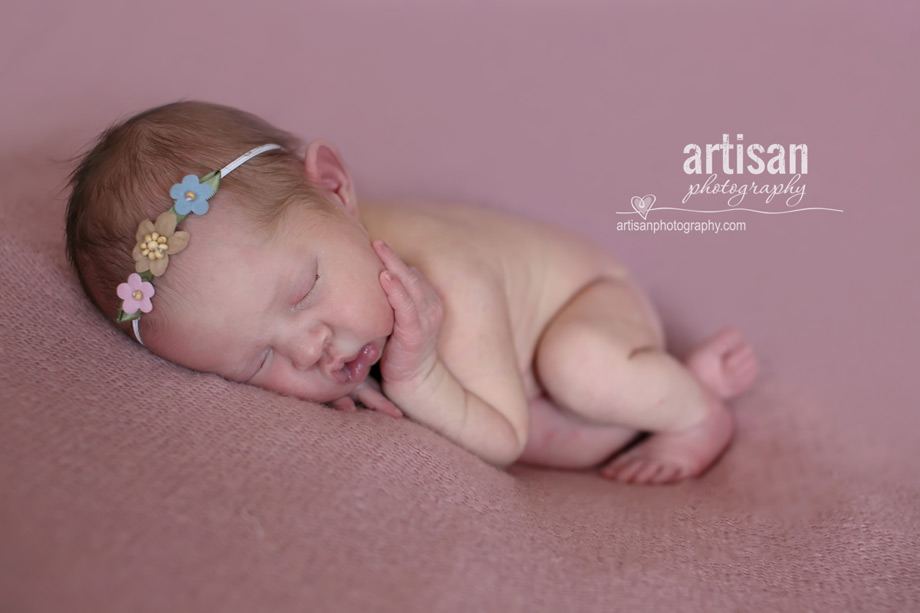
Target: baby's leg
x=602, y=357
x=560, y=439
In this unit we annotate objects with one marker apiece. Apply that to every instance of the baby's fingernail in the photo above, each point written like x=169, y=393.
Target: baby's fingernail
x=388, y=277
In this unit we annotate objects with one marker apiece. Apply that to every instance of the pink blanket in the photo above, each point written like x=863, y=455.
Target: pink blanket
x=132, y=484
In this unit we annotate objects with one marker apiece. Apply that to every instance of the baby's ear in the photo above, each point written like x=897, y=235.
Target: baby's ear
x=325, y=167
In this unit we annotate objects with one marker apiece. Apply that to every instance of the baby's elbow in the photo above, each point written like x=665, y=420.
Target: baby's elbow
x=498, y=437
x=506, y=451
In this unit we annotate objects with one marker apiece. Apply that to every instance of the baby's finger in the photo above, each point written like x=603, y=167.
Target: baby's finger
x=373, y=399
x=345, y=404
x=385, y=253
x=418, y=286
x=392, y=261
x=404, y=308
x=411, y=277
x=427, y=294
x=387, y=256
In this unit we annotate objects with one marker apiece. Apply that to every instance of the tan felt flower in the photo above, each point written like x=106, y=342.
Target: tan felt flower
x=156, y=242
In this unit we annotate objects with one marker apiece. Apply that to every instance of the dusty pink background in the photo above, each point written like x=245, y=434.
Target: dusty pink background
x=563, y=111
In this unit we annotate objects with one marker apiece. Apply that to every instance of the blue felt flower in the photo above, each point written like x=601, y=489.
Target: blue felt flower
x=191, y=195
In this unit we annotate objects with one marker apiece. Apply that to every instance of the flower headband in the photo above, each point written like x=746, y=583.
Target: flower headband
x=156, y=241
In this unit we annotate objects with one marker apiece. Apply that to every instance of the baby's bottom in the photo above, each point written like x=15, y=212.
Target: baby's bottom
x=602, y=361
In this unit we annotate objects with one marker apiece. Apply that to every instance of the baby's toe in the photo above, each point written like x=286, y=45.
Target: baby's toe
x=648, y=473
x=732, y=336
x=739, y=357
x=621, y=468
x=748, y=373
x=613, y=467
x=726, y=337
x=670, y=473
x=631, y=471
x=740, y=371
x=745, y=377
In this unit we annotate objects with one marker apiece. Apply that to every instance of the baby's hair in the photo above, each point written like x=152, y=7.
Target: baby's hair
x=126, y=177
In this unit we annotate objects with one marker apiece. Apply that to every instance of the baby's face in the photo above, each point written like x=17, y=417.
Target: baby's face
x=300, y=311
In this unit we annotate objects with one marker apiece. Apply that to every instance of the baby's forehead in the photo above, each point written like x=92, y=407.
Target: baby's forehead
x=231, y=236
x=221, y=242
x=225, y=218
x=228, y=267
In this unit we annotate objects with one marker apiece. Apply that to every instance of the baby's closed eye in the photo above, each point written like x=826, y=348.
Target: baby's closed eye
x=262, y=361
x=309, y=291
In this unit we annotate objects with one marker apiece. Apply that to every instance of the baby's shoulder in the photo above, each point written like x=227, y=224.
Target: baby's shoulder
x=450, y=236
x=449, y=243
x=471, y=253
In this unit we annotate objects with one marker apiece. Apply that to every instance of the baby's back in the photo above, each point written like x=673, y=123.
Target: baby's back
x=492, y=270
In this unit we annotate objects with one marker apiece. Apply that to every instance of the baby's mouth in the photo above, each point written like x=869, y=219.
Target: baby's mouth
x=356, y=369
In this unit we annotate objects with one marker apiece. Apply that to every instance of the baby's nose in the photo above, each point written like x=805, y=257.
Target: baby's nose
x=308, y=348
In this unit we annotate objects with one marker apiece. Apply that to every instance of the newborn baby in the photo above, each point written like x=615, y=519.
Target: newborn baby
x=515, y=340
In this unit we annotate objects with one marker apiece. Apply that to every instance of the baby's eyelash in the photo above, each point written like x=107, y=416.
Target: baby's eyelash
x=262, y=363
x=310, y=291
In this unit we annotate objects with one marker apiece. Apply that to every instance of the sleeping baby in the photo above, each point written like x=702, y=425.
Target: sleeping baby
x=218, y=242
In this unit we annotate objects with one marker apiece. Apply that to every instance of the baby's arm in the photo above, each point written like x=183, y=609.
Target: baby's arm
x=417, y=380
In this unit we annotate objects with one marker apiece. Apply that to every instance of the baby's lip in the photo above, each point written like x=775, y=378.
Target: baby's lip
x=356, y=367
x=339, y=363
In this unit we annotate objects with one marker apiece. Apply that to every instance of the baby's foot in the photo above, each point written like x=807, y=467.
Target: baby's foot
x=668, y=457
x=726, y=363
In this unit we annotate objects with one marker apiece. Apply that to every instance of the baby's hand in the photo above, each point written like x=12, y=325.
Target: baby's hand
x=411, y=353
x=369, y=395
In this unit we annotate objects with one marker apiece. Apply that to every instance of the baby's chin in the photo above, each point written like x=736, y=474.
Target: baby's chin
x=329, y=393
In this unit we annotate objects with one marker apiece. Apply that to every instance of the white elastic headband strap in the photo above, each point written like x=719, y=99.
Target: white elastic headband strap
x=226, y=170
x=135, y=325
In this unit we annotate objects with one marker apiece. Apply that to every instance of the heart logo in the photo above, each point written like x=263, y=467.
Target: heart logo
x=643, y=205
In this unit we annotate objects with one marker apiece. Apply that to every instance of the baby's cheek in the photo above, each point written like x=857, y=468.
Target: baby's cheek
x=288, y=382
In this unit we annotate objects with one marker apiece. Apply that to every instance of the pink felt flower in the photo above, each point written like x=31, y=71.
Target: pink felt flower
x=136, y=294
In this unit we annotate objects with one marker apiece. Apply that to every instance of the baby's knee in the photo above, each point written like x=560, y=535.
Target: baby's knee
x=580, y=351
